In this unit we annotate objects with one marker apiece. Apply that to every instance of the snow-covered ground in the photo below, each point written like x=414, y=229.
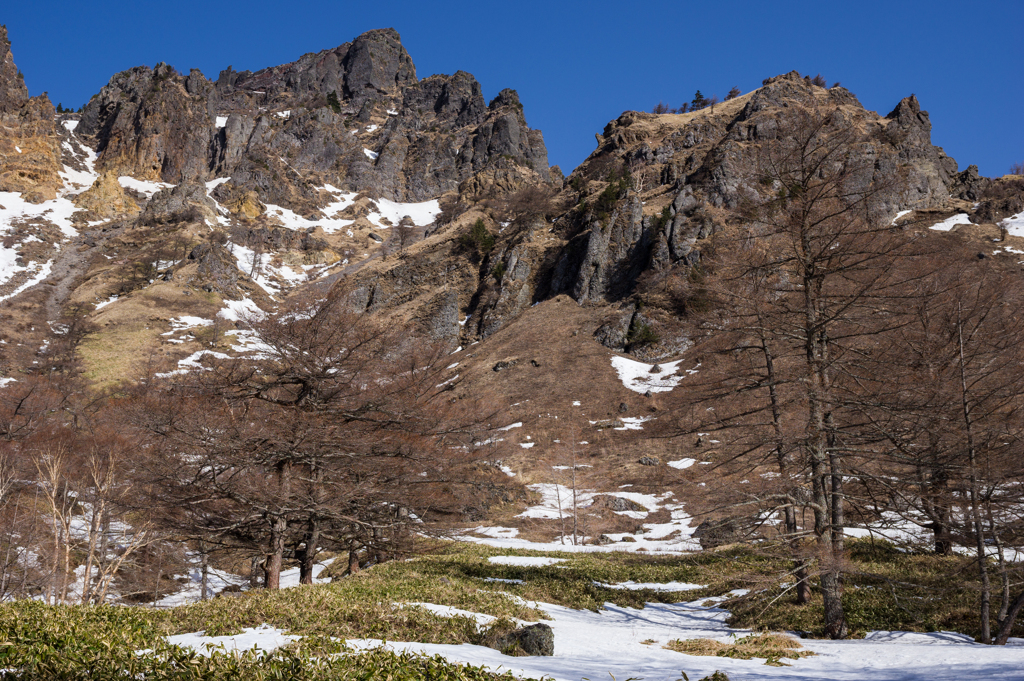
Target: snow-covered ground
x=629, y=643
x=15, y=210
x=672, y=537
x=217, y=580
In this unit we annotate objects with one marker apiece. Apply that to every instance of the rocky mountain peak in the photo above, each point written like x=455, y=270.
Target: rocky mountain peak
x=374, y=64
x=355, y=117
x=13, y=92
x=377, y=62
x=29, y=146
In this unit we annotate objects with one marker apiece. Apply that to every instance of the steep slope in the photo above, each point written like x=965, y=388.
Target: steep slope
x=302, y=169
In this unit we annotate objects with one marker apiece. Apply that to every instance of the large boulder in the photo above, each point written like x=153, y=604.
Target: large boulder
x=536, y=639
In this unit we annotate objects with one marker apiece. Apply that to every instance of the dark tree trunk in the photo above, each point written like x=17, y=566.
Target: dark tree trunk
x=204, y=571
x=803, y=585
x=278, y=528
x=275, y=556
x=308, y=556
x=255, y=568
x=1006, y=625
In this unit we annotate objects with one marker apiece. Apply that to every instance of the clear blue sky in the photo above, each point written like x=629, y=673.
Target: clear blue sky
x=578, y=65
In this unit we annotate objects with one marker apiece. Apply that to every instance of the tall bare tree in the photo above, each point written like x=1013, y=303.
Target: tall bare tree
x=805, y=280
x=947, y=394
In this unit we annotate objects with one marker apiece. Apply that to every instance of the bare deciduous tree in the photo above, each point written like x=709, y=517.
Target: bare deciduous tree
x=803, y=286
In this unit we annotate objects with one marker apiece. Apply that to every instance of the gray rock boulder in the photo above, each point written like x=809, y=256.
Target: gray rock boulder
x=536, y=639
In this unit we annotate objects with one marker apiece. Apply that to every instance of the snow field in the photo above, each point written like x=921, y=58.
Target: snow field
x=629, y=643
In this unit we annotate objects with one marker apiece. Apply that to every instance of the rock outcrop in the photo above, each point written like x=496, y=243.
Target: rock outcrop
x=659, y=184
x=29, y=142
x=107, y=199
x=355, y=116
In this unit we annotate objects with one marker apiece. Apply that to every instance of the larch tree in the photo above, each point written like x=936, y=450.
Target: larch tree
x=804, y=280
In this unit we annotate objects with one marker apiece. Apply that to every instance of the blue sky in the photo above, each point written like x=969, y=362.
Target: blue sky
x=578, y=65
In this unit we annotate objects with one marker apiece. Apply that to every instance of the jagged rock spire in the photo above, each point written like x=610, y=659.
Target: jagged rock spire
x=13, y=93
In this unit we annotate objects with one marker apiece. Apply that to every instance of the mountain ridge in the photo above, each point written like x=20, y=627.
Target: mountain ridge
x=292, y=163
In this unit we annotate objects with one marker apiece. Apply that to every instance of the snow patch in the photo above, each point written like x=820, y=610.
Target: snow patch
x=262, y=638
x=682, y=464
x=525, y=561
x=951, y=222
x=39, y=273
x=142, y=186
x=421, y=214
x=899, y=215
x=1014, y=225
x=633, y=422
x=637, y=376
x=241, y=310
x=653, y=586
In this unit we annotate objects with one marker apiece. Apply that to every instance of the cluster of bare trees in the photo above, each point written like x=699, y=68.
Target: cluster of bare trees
x=67, y=493
x=338, y=434
x=858, y=372
x=335, y=434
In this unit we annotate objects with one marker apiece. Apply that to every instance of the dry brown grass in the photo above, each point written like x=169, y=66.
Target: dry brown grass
x=770, y=647
x=128, y=340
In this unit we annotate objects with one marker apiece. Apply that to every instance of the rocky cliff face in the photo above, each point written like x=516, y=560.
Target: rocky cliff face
x=355, y=117
x=29, y=143
x=688, y=170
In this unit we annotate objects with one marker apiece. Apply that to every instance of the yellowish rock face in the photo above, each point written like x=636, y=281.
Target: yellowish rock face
x=107, y=198
x=29, y=160
x=247, y=205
